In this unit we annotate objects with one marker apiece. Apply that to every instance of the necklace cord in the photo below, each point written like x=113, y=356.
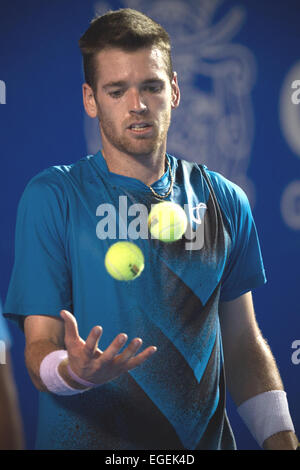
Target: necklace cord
x=162, y=196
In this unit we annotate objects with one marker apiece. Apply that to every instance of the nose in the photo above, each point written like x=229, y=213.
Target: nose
x=136, y=102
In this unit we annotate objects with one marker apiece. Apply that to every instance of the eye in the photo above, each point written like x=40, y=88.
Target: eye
x=154, y=88
x=116, y=94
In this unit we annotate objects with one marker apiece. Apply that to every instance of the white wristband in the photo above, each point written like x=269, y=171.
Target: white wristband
x=266, y=414
x=51, y=377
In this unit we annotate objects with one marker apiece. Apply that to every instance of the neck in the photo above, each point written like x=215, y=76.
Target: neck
x=146, y=168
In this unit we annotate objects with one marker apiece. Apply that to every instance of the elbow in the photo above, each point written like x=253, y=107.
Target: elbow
x=36, y=381
x=33, y=359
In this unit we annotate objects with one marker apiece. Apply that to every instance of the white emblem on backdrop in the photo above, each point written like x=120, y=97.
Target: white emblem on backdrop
x=214, y=124
x=289, y=115
x=290, y=205
x=289, y=109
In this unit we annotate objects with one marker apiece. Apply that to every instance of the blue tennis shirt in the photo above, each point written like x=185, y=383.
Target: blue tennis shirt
x=4, y=333
x=67, y=219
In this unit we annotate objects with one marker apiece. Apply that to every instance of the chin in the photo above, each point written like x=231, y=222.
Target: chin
x=142, y=149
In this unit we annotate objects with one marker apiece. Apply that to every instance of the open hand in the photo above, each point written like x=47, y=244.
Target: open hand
x=94, y=365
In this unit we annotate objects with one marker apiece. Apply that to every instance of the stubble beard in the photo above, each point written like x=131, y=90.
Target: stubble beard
x=138, y=146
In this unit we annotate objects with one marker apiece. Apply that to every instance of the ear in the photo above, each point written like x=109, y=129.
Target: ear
x=175, y=92
x=89, y=101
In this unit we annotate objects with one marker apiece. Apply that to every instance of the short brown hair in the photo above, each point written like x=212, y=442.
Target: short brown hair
x=126, y=29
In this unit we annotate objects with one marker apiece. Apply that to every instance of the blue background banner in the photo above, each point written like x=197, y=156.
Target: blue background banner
x=238, y=67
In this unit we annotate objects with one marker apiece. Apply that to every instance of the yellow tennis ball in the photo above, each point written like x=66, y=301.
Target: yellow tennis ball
x=124, y=261
x=167, y=221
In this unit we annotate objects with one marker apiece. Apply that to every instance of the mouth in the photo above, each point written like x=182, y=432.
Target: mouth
x=140, y=128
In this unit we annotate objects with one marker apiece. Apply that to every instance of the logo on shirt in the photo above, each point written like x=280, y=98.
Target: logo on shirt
x=130, y=222
x=197, y=213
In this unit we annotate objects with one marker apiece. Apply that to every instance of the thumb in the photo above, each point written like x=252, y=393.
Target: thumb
x=71, y=329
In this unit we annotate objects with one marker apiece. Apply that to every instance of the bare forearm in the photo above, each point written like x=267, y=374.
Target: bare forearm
x=34, y=354
x=256, y=372
x=251, y=370
x=43, y=334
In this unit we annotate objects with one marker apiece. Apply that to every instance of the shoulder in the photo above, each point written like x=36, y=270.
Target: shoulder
x=47, y=194
x=61, y=173
x=227, y=192
x=231, y=198
x=44, y=188
x=234, y=204
x=45, y=202
x=55, y=181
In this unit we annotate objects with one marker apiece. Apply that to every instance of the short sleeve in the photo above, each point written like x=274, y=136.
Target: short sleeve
x=40, y=283
x=244, y=269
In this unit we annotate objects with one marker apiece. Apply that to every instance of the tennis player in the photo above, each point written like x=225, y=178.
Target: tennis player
x=141, y=364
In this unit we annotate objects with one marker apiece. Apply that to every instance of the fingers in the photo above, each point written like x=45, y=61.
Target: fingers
x=92, y=340
x=114, y=347
x=133, y=347
x=127, y=359
x=111, y=362
x=140, y=358
x=71, y=329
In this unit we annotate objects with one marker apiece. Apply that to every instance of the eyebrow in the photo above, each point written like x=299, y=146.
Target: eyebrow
x=122, y=83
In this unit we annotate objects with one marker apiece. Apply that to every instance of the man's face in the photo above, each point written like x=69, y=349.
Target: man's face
x=134, y=99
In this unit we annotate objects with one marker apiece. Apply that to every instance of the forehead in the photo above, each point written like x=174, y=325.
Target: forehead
x=116, y=64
